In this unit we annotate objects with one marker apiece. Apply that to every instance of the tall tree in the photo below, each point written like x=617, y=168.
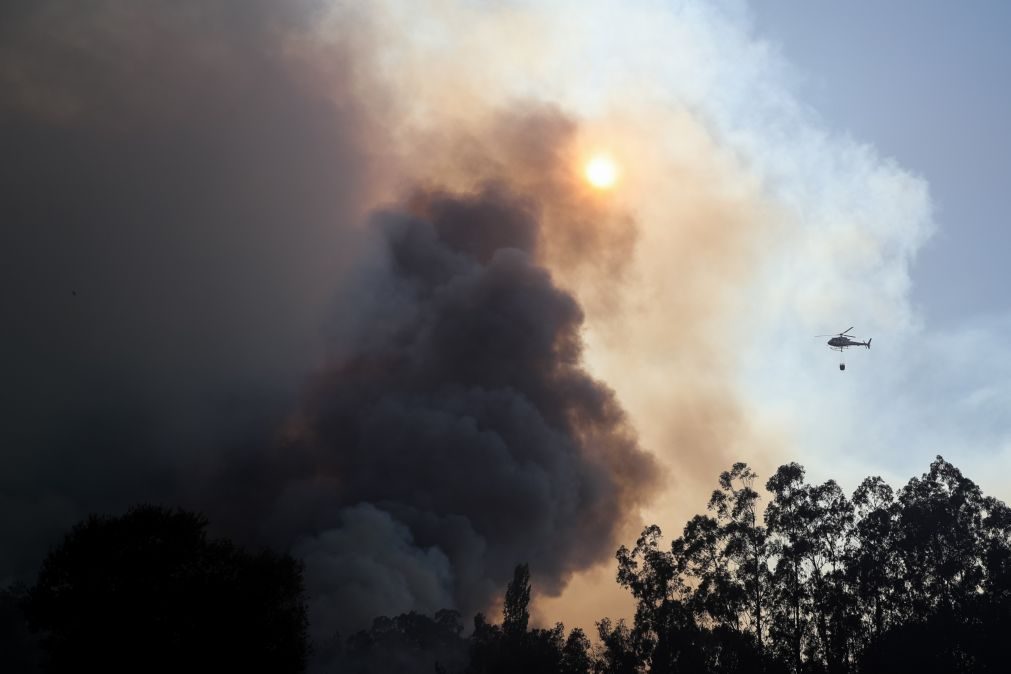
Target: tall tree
x=830, y=543
x=940, y=517
x=747, y=549
x=786, y=517
x=515, y=611
x=513, y=647
x=699, y=555
x=874, y=567
x=996, y=544
x=150, y=591
x=650, y=574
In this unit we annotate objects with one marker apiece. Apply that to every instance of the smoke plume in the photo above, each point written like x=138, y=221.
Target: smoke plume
x=201, y=314
x=466, y=419
x=330, y=272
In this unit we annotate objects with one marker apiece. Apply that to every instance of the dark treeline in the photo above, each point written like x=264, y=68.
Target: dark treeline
x=151, y=592
x=804, y=579
x=822, y=582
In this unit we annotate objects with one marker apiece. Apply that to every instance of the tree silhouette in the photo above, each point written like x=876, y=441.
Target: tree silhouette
x=820, y=583
x=515, y=611
x=885, y=581
x=618, y=653
x=514, y=648
x=408, y=643
x=786, y=517
x=700, y=554
x=576, y=657
x=747, y=546
x=823, y=582
x=874, y=565
x=149, y=591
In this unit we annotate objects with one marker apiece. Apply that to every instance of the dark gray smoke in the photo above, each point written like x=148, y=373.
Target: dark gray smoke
x=180, y=188
x=177, y=189
x=463, y=428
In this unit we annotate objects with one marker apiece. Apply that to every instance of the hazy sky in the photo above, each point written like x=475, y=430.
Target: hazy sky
x=330, y=271
x=926, y=83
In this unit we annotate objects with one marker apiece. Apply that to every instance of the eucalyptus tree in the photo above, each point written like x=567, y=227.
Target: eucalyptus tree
x=939, y=539
x=786, y=518
x=830, y=544
x=716, y=596
x=874, y=568
x=746, y=547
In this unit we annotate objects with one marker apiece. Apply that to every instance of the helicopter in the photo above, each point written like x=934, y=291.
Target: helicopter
x=842, y=340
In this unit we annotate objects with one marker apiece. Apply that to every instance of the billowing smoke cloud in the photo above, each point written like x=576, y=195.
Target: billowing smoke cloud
x=199, y=309
x=460, y=424
x=186, y=325
x=370, y=565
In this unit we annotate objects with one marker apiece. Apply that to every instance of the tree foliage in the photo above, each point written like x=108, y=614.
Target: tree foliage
x=802, y=579
x=822, y=582
x=149, y=591
x=408, y=643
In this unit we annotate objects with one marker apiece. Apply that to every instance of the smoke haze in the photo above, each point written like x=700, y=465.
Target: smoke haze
x=174, y=191
x=331, y=272
x=187, y=325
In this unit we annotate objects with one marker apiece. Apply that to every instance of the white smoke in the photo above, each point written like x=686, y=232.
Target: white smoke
x=759, y=227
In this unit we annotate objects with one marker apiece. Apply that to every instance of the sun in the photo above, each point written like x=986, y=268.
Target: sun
x=601, y=172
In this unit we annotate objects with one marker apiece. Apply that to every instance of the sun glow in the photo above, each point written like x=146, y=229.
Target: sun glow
x=601, y=172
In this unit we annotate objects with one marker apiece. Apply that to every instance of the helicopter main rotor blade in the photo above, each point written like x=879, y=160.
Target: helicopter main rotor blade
x=846, y=330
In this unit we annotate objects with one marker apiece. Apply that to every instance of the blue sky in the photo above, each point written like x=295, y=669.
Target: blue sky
x=928, y=83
